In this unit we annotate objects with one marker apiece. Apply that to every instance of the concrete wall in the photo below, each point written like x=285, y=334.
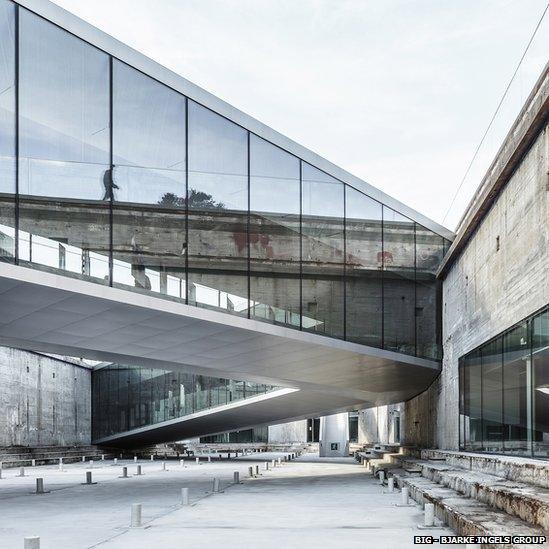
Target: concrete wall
x=43, y=401
x=377, y=425
x=293, y=431
x=488, y=290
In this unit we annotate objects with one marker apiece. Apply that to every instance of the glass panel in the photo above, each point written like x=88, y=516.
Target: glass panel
x=64, y=151
x=516, y=393
x=218, y=212
x=322, y=252
x=472, y=401
x=7, y=130
x=128, y=397
x=492, y=404
x=429, y=254
x=363, y=233
x=274, y=234
x=149, y=244
x=399, y=330
x=540, y=363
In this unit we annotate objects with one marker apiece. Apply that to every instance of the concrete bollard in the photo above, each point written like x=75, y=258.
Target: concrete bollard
x=381, y=477
x=391, y=484
x=404, y=495
x=163, y=466
x=197, y=461
x=91, y=463
x=39, y=485
x=236, y=477
x=135, y=459
x=33, y=463
x=216, y=485
x=89, y=478
x=102, y=457
x=31, y=542
x=273, y=463
x=181, y=463
x=115, y=461
x=257, y=470
x=0, y=474
x=61, y=464
x=120, y=456
x=21, y=472
x=184, y=496
x=83, y=459
x=139, y=472
x=266, y=466
x=135, y=521
x=209, y=459
x=429, y=518
x=251, y=472
x=279, y=461
x=152, y=457
x=124, y=472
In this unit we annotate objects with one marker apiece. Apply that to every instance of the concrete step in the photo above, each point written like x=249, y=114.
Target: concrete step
x=469, y=516
x=529, y=503
x=519, y=469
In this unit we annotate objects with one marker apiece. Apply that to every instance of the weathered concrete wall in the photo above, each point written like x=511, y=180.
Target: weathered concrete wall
x=377, y=425
x=489, y=288
x=293, y=431
x=43, y=401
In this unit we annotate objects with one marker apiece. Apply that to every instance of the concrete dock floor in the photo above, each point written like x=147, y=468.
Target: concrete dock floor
x=310, y=502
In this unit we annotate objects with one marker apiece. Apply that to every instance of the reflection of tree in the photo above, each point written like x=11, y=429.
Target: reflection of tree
x=197, y=199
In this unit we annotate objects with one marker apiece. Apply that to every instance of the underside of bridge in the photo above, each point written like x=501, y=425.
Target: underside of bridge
x=56, y=314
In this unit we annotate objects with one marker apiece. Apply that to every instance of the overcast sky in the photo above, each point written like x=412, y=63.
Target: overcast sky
x=397, y=92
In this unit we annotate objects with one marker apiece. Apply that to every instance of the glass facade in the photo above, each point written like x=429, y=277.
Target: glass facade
x=127, y=397
x=111, y=176
x=504, y=391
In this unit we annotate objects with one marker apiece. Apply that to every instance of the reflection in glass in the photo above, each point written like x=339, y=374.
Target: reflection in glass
x=399, y=330
x=218, y=212
x=129, y=397
x=429, y=254
x=64, y=150
x=472, y=401
x=7, y=130
x=322, y=253
x=274, y=234
x=492, y=391
x=149, y=244
x=540, y=370
x=516, y=365
x=510, y=399
x=363, y=233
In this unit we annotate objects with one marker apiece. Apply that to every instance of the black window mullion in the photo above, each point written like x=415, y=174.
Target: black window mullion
x=300, y=244
x=16, y=68
x=187, y=247
x=248, y=265
x=111, y=171
x=344, y=261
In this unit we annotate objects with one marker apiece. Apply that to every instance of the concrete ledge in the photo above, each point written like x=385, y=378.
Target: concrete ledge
x=530, y=471
x=467, y=516
x=524, y=501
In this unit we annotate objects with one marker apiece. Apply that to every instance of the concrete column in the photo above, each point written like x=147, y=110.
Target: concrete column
x=334, y=435
x=136, y=515
x=429, y=519
x=32, y=542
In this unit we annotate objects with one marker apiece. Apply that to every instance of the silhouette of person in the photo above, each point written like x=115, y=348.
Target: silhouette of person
x=109, y=184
